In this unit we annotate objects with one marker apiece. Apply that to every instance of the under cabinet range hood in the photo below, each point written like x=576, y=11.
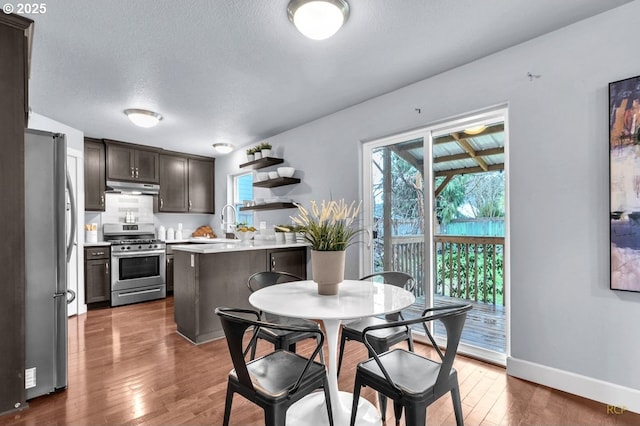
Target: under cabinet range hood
x=132, y=187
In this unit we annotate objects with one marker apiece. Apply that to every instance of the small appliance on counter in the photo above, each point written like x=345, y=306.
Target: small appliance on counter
x=138, y=263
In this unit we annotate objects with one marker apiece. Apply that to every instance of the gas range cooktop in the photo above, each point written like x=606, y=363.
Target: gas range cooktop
x=126, y=237
x=136, y=241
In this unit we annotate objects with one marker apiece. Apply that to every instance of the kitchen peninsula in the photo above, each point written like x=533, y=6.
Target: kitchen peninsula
x=210, y=275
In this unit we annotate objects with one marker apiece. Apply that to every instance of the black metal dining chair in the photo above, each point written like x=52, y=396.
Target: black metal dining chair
x=281, y=339
x=383, y=339
x=275, y=381
x=412, y=381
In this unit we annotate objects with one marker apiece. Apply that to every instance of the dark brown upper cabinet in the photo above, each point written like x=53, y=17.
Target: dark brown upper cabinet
x=174, y=184
x=186, y=184
x=94, y=174
x=201, y=185
x=133, y=164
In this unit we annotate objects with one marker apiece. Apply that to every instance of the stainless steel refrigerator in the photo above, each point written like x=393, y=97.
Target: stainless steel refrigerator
x=48, y=245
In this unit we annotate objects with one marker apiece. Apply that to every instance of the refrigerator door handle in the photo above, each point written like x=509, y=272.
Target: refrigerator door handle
x=72, y=202
x=73, y=296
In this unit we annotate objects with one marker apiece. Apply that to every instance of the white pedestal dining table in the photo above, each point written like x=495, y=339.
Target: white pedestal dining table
x=355, y=299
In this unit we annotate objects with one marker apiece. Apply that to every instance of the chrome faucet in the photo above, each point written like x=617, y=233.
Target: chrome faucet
x=226, y=224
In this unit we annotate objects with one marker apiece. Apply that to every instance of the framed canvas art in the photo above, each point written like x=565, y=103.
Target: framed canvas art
x=624, y=170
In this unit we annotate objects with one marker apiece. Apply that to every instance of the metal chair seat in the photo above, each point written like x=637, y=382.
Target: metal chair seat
x=413, y=381
x=275, y=381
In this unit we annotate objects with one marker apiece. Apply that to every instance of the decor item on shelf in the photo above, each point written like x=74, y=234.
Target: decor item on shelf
x=273, y=175
x=257, y=155
x=143, y=117
x=223, y=148
x=286, y=171
x=265, y=149
x=250, y=156
x=318, y=19
x=330, y=229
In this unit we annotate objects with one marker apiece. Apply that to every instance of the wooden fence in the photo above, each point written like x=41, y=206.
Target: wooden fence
x=469, y=268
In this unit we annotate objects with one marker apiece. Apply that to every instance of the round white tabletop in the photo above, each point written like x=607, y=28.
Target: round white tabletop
x=355, y=299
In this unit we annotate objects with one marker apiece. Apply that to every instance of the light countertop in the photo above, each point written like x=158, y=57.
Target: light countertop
x=99, y=243
x=222, y=247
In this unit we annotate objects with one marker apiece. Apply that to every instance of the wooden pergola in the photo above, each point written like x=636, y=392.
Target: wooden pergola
x=456, y=153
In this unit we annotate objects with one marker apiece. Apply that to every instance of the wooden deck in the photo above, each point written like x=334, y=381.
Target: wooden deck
x=484, y=328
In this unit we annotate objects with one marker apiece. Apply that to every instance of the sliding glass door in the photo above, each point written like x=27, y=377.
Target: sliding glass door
x=395, y=211
x=435, y=207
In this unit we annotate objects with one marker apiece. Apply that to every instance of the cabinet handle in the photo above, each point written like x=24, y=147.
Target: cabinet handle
x=132, y=175
x=136, y=173
x=102, y=200
x=107, y=267
x=190, y=204
x=97, y=253
x=161, y=203
x=273, y=263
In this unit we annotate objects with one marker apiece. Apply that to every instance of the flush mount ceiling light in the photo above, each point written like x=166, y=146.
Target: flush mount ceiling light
x=318, y=19
x=223, y=148
x=143, y=117
x=475, y=130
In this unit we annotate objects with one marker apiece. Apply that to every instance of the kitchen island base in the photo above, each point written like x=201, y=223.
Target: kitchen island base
x=204, y=280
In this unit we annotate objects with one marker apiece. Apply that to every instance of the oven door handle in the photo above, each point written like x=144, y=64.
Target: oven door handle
x=136, y=253
x=137, y=292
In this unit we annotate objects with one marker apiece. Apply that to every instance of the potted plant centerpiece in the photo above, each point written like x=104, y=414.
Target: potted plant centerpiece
x=330, y=229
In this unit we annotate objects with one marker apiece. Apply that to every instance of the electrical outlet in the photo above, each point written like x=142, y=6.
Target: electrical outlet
x=30, y=378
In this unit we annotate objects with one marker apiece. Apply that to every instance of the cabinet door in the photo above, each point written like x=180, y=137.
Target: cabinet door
x=94, y=174
x=169, y=273
x=97, y=281
x=293, y=261
x=147, y=168
x=201, y=176
x=174, y=177
x=120, y=163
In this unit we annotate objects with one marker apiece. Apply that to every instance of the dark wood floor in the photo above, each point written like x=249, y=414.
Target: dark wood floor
x=127, y=365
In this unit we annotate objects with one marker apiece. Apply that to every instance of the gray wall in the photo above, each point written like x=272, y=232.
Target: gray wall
x=563, y=315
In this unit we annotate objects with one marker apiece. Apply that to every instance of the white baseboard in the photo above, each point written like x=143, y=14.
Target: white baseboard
x=616, y=396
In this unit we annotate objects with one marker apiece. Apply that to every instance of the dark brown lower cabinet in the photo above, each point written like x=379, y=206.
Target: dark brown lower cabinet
x=291, y=260
x=97, y=276
x=206, y=281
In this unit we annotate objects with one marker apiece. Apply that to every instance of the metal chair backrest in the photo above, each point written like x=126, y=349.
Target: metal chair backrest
x=267, y=278
x=234, y=328
x=235, y=324
x=396, y=278
x=453, y=317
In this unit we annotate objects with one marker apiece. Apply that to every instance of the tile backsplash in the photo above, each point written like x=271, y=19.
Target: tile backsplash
x=117, y=206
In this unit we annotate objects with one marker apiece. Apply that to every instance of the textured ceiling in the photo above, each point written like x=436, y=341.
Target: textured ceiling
x=238, y=71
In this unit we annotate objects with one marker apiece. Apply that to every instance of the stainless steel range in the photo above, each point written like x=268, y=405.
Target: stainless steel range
x=137, y=263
